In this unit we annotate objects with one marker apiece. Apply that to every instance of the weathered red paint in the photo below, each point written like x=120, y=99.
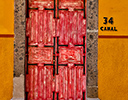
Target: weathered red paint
x=70, y=55
x=56, y=54
x=40, y=55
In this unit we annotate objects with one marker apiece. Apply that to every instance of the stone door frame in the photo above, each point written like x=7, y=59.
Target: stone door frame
x=92, y=43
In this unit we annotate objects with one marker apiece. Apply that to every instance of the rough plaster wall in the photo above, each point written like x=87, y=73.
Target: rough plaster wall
x=92, y=39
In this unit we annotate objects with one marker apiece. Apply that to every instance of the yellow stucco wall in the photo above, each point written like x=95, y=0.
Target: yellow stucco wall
x=6, y=48
x=113, y=69
x=6, y=68
x=118, y=9
x=113, y=51
x=6, y=16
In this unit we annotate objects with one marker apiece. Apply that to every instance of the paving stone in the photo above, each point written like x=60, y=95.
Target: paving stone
x=18, y=90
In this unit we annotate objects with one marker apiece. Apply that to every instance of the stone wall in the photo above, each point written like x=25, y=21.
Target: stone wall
x=19, y=43
x=92, y=48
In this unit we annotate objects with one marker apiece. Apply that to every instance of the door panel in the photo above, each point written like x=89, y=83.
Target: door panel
x=73, y=4
x=41, y=3
x=41, y=27
x=39, y=55
x=71, y=27
x=56, y=50
x=70, y=55
x=39, y=83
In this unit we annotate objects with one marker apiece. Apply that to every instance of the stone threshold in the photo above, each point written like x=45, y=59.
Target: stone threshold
x=86, y=99
x=92, y=99
x=17, y=99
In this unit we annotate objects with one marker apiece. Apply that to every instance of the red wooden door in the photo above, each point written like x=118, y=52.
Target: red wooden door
x=56, y=50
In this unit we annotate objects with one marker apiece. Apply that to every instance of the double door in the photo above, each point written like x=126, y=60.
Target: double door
x=55, y=50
